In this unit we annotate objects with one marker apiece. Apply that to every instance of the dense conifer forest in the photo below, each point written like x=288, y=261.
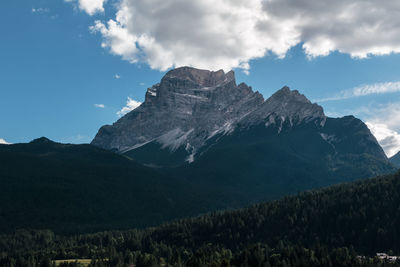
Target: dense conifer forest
x=343, y=225
x=81, y=188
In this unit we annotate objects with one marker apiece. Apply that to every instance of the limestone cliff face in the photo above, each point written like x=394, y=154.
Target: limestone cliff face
x=191, y=110
x=286, y=106
x=186, y=108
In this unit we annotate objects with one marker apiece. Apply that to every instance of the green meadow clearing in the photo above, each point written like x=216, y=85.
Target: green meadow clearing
x=81, y=262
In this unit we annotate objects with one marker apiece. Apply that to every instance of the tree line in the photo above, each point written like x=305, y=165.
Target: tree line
x=343, y=225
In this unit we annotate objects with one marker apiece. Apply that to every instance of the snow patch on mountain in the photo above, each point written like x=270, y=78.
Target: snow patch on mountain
x=4, y=142
x=191, y=106
x=174, y=139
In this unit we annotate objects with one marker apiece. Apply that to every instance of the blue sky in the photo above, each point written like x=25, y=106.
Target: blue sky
x=68, y=67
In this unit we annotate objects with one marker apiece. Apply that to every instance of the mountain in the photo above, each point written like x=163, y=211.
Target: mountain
x=198, y=143
x=201, y=124
x=179, y=115
x=344, y=225
x=80, y=188
x=395, y=160
x=255, y=163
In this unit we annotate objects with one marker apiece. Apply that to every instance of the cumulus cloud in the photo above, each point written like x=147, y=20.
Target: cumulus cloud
x=359, y=27
x=387, y=138
x=388, y=114
x=131, y=104
x=99, y=105
x=205, y=34
x=89, y=6
x=3, y=142
x=229, y=33
x=384, y=122
x=118, y=39
x=92, y=6
x=363, y=90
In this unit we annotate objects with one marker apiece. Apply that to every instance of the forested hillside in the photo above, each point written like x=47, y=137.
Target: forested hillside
x=73, y=189
x=81, y=188
x=328, y=227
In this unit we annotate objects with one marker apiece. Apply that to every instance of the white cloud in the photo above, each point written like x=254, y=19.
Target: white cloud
x=99, y=105
x=229, y=33
x=363, y=90
x=377, y=88
x=358, y=27
x=388, y=114
x=117, y=76
x=76, y=139
x=4, y=142
x=40, y=10
x=384, y=122
x=92, y=6
x=206, y=34
x=387, y=138
x=131, y=104
x=89, y=6
x=382, y=119
x=118, y=39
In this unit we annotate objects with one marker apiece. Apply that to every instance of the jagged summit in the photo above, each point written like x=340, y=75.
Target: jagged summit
x=286, y=105
x=189, y=106
x=292, y=104
x=204, y=78
x=286, y=95
x=185, y=109
x=187, y=84
x=191, y=109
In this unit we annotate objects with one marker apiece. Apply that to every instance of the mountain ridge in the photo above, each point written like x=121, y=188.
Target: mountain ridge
x=183, y=110
x=200, y=124
x=189, y=106
x=188, y=149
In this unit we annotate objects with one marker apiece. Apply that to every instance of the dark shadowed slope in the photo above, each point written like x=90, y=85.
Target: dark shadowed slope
x=203, y=126
x=83, y=188
x=395, y=160
x=328, y=228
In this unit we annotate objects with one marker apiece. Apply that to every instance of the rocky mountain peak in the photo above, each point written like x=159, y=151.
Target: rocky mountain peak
x=286, y=95
x=291, y=103
x=286, y=105
x=190, y=106
x=187, y=86
x=185, y=109
x=203, y=78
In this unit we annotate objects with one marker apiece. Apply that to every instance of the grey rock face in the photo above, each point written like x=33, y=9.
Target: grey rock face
x=286, y=105
x=185, y=109
x=189, y=107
